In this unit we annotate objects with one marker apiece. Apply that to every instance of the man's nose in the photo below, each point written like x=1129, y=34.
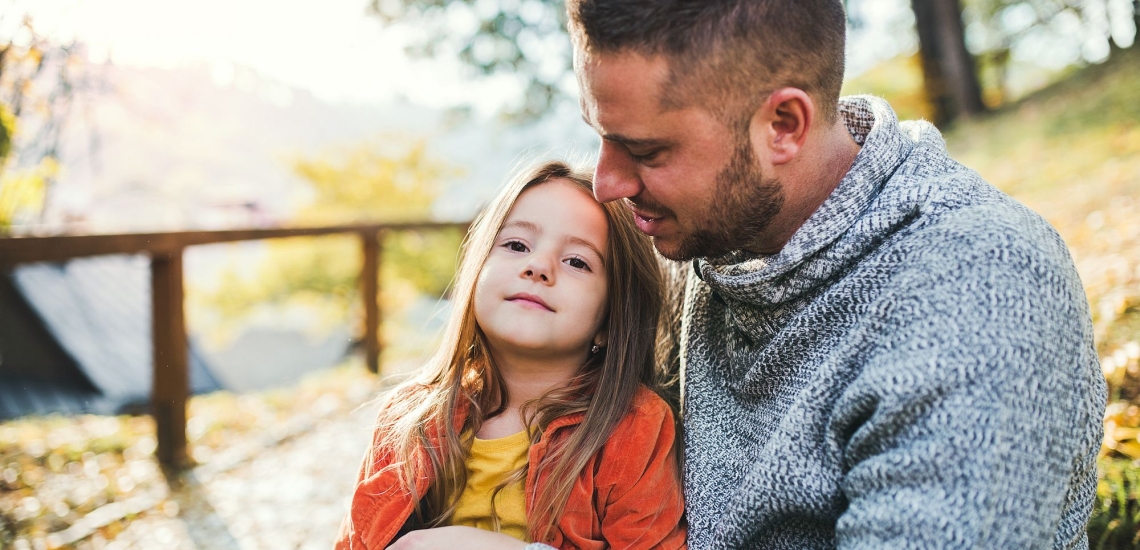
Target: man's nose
x=615, y=177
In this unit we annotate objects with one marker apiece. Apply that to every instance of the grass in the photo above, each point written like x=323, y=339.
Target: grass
x=1117, y=521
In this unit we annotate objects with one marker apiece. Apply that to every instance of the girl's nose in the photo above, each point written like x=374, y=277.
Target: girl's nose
x=538, y=269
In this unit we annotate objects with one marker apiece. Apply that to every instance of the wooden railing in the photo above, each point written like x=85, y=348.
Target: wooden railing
x=171, y=387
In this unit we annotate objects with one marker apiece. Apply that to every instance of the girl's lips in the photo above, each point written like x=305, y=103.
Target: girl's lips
x=529, y=300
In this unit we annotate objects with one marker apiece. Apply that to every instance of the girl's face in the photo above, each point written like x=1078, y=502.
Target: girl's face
x=542, y=291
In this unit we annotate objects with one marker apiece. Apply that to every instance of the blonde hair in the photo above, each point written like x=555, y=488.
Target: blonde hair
x=462, y=373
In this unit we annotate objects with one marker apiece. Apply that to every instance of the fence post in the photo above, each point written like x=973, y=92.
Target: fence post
x=370, y=293
x=171, y=387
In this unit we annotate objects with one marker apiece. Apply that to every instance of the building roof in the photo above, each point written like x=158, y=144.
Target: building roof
x=96, y=311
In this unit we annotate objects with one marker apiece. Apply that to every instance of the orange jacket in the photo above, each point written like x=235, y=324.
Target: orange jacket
x=628, y=496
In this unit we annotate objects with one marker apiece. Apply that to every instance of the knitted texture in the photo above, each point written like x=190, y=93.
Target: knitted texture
x=915, y=369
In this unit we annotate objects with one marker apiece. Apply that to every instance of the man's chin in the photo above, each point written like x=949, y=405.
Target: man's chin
x=672, y=249
x=698, y=244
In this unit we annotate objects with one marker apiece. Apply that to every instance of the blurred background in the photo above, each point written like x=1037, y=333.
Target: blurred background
x=126, y=116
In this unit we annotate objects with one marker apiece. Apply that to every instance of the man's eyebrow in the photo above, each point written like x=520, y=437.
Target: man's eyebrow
x=635, y=142
x=628, y=141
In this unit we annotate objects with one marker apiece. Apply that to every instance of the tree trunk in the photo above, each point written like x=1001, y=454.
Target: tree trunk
x=950, y=79
x=958, y=64
x=933, y=82
x=1113, y=47
x=1136, y=22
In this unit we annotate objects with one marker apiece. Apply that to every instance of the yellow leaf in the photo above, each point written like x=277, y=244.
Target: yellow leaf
x=1129, y=448
x=1120, y=434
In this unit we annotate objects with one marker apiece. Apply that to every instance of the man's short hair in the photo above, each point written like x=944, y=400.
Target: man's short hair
x=724, y=55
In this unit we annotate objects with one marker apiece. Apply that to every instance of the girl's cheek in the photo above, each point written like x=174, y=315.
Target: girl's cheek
x=484, y=277
x=603, y=303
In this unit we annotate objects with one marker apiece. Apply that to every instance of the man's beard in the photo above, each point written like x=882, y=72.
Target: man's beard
x=744, y=205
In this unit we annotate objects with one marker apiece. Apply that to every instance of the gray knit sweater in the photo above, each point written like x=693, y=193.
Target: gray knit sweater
x=915, y=369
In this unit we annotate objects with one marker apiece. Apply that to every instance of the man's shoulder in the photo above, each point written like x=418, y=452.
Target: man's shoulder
x=990, y=262
x=957, y=228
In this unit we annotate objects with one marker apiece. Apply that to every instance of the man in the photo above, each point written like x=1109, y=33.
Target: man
x=877, y=348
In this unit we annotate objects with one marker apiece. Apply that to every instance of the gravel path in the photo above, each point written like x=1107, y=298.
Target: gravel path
x=292, y=495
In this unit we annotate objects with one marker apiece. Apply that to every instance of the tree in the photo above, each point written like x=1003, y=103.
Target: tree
x=515, y=37
x=502, y=41
x=1136, y=22
x=502, y=38
x=389, y=181
x=38, y=81
x=950, y=79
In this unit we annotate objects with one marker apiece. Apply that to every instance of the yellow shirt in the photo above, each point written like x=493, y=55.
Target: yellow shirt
x=489, y=461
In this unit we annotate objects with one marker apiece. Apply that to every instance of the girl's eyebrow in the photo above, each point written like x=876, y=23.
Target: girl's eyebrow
x=535, y=228
x=587, y=244
x=529, y=226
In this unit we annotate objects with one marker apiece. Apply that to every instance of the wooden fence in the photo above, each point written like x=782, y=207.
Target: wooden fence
x=171, y=355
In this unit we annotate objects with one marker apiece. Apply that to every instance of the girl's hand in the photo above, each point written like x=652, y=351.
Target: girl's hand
x=456, y=537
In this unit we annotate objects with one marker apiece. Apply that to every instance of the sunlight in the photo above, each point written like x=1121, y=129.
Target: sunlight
x=332, y=49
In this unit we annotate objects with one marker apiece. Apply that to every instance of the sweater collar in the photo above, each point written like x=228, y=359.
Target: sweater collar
x=824, y=246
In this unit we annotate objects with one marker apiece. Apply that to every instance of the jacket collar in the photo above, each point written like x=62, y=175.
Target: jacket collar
x=463, y=408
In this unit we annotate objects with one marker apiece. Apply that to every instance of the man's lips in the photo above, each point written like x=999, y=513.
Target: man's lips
x=529, y=300
x=648, y=222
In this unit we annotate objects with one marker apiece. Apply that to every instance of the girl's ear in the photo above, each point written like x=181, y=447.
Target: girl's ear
x=600, y=338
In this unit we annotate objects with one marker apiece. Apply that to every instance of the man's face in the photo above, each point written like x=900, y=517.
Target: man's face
x=692, y=183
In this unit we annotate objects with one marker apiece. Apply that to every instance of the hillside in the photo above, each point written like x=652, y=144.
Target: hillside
x=1071, y=152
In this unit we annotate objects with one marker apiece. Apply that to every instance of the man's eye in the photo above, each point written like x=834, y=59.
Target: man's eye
x=646, y=157
x=515, y=246
x=578, y=263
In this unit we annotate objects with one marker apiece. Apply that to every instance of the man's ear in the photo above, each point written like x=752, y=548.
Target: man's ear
x=780, y=126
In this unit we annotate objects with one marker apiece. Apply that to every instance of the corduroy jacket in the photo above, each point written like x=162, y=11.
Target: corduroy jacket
x=629, y=495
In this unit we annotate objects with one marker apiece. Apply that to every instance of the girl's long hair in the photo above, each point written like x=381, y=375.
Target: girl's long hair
x=462, y=373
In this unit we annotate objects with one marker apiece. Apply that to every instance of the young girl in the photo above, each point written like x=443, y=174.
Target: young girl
x=537, y=419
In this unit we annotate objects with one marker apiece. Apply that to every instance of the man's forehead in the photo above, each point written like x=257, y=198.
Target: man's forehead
x=619, y=85
x=612, y=73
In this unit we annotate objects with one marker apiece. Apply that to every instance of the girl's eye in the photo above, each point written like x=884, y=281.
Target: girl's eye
x=515, y=246
x=578, y=263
